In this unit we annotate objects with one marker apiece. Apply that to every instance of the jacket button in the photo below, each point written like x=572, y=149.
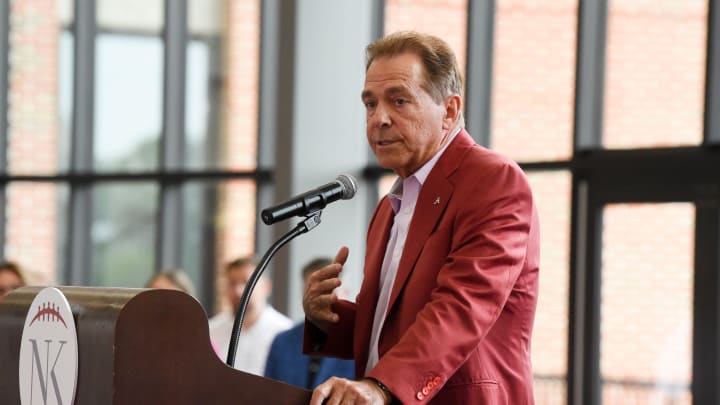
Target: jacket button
x=425, y=390
x=437, y=380
x=420, y=396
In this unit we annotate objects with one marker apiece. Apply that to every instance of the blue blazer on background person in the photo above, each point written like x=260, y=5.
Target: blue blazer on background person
x=286, y=362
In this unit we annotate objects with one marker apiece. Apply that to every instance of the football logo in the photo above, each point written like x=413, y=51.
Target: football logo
x=48, y=312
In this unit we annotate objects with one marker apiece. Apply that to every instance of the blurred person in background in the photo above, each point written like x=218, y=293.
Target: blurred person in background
x=286, y=361
x=174, y=279
x=261, y=322
x=11, y=277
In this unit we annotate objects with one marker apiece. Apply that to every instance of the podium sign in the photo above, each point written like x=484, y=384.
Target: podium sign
x=48, y=351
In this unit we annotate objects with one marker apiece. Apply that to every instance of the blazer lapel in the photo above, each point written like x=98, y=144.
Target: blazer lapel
x=430, y=205
x=366, y=300
x=432, y=201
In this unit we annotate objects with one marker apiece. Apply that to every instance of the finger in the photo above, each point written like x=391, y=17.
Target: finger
x=321, y=392
x=323, y=301
x=337, y=393
x=322, y=292
x=327, y=272
x=325, y=286
x=342, y=255
x=331, y=391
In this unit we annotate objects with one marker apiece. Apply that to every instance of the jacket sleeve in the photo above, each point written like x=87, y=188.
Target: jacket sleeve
x=338, y=342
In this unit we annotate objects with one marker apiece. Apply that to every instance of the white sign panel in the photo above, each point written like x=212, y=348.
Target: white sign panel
x=49, y=351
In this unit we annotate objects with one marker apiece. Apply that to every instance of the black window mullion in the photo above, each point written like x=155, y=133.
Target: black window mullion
x=373, y=182
x=584, y=387
x=172, y=148
x=478, y=88
x=584, y=301
x=79, y=244
x=712, y=78
x=4, y=91
x=590, y=73
x=378, y=19
x=706, y=308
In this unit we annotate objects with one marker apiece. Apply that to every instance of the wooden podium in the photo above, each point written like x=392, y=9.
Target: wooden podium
x=138, y=346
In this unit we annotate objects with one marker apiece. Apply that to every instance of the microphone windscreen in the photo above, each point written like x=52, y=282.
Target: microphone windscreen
x=349, y=185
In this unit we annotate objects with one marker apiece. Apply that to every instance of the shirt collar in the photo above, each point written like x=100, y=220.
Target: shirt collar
x=420, y=175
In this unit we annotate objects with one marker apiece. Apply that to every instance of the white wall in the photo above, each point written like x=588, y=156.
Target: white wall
x=328, y=137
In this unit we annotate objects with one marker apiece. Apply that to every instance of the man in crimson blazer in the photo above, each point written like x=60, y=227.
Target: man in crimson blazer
x=446, y=308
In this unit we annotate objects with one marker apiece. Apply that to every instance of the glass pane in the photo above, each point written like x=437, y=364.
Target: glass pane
x=655, y=73
x=65, y=95
x=205, y=17
x=234, y=223
x=534, y=79
x=424, y=15
x=203, y=93
x=140, y=16
x=549, y=356
x=123, y=234
x=199, y=235
x=238, y=150
x=201, y=138
x=646, y=303
x=32, y=136
x=128, y=107
x=35, y=229
x=65, y=11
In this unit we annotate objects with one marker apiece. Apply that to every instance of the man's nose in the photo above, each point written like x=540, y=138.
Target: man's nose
x=381, y=117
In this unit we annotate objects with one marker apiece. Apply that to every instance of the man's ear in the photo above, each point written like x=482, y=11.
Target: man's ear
x=453, y=109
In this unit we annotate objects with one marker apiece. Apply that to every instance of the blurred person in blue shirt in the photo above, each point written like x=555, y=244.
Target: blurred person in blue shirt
x=286, y=361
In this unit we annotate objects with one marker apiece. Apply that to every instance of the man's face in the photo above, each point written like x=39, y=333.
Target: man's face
x=8, y=282
x=237, y=279
x=405, y=126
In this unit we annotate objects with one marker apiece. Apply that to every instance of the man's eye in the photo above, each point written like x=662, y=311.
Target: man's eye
x=400, y=101
x=370, y=104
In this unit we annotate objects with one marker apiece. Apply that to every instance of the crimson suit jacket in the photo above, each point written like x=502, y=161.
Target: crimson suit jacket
x=461, y=311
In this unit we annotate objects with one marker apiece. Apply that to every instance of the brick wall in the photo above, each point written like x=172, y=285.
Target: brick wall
x=551, y=191
x=533, y=79
x=31, y=210
x=235, y=222
x=647, y=291
x=655, y=79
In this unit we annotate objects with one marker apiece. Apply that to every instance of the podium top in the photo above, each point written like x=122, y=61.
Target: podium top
x=139, y=346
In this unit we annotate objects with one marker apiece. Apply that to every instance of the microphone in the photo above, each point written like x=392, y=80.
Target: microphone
x=344, y=187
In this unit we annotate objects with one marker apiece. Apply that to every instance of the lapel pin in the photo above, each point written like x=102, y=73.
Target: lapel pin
x=437, y=201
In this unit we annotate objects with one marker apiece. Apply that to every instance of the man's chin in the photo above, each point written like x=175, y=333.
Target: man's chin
x=388, y=163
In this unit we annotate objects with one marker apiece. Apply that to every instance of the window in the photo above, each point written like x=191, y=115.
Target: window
x=97, y=137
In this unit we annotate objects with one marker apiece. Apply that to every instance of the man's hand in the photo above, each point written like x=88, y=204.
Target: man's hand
x=319, y=293
x=347, y=392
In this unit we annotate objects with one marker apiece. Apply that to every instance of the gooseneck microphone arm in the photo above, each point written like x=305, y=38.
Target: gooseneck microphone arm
x=307, y=225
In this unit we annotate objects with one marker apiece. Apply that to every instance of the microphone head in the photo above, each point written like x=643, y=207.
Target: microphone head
x=349, y=186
